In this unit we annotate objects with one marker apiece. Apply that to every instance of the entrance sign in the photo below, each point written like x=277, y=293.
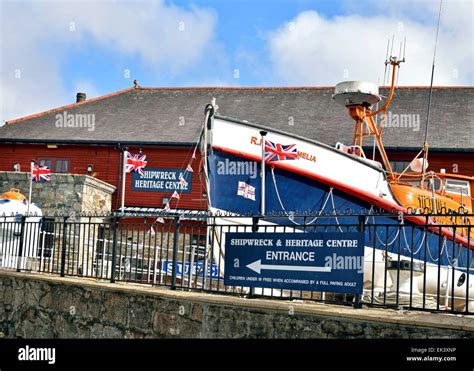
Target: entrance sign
x=162, y=180
x=331, y=262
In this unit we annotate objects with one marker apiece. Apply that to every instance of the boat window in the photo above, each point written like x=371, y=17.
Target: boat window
x=457, y=187
x=437, y=184
x=426, y=183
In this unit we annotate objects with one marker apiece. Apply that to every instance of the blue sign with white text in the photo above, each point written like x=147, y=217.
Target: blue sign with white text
x=162, y=180
x=330, y=262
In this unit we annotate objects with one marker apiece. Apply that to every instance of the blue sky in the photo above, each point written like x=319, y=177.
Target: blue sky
x=52, y=49
x=241, y=26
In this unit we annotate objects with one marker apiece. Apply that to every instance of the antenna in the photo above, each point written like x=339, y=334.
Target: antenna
x=404, y=47
x=425, y=144
x=386, y=57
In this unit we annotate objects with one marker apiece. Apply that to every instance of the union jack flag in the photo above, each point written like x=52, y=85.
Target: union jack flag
x=278, y=152
x=135, y=163
x=40, y=173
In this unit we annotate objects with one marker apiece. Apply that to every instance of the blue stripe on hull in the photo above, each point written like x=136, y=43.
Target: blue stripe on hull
x=292, y=193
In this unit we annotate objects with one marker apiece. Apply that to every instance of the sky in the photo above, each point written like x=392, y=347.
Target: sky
x=50, y=50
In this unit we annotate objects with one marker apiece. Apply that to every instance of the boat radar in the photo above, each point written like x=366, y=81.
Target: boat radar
x=356, y=93
x=359, y=97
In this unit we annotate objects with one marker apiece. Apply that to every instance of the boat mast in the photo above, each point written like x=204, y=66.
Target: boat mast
x=263, y=133
x=425, y=143
x=362, y=114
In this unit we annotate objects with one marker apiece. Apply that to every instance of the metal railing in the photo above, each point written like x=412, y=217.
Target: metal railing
x=406, y=266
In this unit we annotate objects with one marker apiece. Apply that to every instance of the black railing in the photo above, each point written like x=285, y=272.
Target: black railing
x=406, y=265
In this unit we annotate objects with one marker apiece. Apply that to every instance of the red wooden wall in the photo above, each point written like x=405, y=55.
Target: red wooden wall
x=106, y=162
x=461, y=163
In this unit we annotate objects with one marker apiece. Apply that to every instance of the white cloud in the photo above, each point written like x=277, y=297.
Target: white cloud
x=314, y=50
x=34, y=35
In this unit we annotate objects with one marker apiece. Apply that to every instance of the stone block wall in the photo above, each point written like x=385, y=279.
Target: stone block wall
x=35, y=306
x=64, y=194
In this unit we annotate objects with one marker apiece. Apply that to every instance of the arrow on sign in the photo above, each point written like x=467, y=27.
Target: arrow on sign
x=257, y=266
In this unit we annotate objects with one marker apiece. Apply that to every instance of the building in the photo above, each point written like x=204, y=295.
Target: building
x=87, y=137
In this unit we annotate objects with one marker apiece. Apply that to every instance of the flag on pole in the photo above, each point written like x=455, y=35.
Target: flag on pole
x=189, y=168
x=279, y=152
x=167, y=207
x=135, y=163
x=175, y=195
x=246, y=191
x=40, y=173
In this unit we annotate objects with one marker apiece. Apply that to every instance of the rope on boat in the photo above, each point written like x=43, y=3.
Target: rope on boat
x=288, y=214
x=335, y=216
x=407, y=245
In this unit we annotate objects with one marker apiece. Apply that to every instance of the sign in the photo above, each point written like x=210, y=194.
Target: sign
x=183, y=269
x=162, y=180
x=330, y=262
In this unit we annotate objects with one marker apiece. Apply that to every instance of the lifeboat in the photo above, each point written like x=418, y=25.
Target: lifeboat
x=13, y=206
x=301, y=176
x=13, y=194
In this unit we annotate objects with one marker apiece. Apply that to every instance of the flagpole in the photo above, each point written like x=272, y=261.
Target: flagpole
x=263, y=133
x=124, y=166
x=31, y=187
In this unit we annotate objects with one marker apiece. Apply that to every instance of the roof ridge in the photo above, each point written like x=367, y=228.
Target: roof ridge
x=223, y=88
x=288, y=87
x=68, y=106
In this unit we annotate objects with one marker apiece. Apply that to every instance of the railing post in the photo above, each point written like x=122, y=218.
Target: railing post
x=360, y=228
x=114, y=248
x=175, y=253
x=22, y=239
x=63, y=248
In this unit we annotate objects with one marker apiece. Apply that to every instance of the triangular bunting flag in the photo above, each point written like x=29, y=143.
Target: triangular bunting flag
x=183, y=181
x=189, y=168
x=160, y=220
x=175, y=195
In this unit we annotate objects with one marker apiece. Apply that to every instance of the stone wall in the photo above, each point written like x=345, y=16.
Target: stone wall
x=65, y=193
x=40, y=306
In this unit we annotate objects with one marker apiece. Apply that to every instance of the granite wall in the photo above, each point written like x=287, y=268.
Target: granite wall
x=36, y=306
x=64, y=194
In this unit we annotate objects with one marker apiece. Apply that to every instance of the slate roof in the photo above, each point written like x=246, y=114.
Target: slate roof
x=173, y=116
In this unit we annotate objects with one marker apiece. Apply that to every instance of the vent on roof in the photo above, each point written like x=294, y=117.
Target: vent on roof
x=80, y=97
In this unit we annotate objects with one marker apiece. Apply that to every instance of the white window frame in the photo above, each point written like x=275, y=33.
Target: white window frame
x=460, y=183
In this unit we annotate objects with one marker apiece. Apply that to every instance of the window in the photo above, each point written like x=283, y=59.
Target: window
x=47, y=163
x=457, y=187
x=399, y=166
x=56, y=165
